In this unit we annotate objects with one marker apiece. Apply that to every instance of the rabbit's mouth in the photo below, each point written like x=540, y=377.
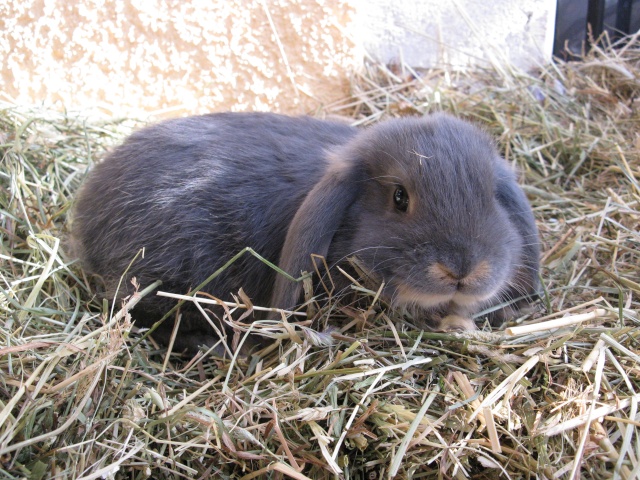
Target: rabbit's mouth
x=406, y=295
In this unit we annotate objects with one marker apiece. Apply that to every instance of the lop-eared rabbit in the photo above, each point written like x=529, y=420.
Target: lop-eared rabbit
x=426, y=205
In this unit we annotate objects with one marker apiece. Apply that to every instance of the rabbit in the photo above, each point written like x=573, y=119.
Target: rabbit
x=426, y=205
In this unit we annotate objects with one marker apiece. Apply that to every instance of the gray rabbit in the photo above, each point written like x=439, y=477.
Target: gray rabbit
x=426, y=205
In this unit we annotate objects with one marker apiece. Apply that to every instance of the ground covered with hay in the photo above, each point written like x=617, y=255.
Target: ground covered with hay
x=553, y=395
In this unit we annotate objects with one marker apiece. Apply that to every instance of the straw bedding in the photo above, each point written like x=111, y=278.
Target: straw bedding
x=553, y=395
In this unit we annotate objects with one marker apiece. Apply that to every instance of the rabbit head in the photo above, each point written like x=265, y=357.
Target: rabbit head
x=420, y=203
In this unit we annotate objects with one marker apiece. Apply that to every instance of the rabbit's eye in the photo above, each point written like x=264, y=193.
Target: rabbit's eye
x=401, y=199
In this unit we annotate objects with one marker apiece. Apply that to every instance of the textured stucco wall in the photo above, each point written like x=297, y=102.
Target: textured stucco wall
x=176, y=57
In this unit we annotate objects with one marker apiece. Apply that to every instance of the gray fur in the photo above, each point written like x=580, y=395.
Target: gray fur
x=195, y=191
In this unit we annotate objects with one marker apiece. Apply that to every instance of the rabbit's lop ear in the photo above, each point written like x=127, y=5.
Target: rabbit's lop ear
x=313, y=227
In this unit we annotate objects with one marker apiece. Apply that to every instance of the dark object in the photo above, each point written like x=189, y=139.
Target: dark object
x=579, y=21
x=426, y=205
x=595, y=17
x=623, y=16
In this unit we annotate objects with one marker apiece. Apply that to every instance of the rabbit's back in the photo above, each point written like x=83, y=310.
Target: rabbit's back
x=193, y=192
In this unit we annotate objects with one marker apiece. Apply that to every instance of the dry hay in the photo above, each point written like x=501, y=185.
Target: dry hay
x=77, y=400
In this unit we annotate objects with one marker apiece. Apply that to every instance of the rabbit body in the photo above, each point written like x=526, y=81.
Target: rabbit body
x=425, y=204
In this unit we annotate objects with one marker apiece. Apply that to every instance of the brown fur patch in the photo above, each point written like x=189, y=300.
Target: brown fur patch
x=481, y=272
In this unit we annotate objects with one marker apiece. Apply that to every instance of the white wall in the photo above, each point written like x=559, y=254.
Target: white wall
x=425, y=33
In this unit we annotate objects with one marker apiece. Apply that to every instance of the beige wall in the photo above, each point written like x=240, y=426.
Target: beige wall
x=176, y=57
x=173, y=57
